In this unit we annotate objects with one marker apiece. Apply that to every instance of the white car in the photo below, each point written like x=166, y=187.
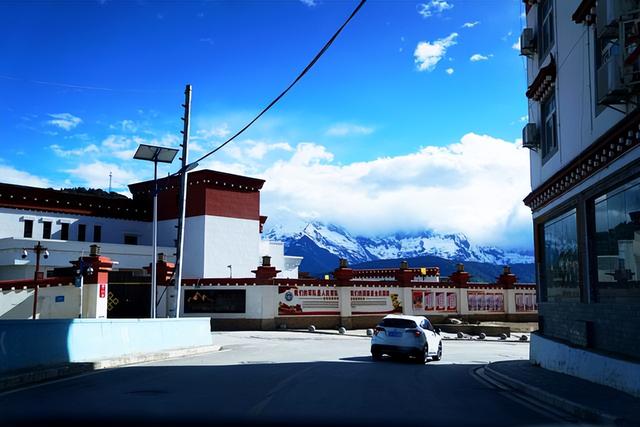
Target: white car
x=413, y=336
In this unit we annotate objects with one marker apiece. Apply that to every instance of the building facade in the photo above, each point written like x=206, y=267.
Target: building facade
x=222, y=228
x=583, y=72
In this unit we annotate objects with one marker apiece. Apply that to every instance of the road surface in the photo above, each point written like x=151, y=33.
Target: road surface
x=286, y=378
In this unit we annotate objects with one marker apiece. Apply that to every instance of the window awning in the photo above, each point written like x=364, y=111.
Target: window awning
x=585, y=13
x=544, y=82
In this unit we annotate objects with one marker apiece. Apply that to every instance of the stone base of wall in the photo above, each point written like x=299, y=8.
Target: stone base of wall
x=303, y=322
x=611, y=328
x=353, y=322
x=599, y=368
x=242, y=324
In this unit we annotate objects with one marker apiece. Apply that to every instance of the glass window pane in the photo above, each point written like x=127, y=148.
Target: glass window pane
x=617, y=245
x=561, y=259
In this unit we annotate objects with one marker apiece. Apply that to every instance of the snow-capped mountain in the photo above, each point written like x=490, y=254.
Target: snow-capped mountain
x=301, y=237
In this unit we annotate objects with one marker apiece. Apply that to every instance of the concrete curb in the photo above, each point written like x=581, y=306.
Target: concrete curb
x=71, y=369
x=578, y=410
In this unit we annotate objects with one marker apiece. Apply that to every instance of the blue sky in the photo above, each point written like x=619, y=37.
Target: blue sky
x=82, y=82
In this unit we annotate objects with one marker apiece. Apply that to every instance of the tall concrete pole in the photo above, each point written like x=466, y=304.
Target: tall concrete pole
x=183, y=198
x=154, y=278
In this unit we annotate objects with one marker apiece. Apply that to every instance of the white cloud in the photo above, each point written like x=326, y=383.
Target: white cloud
x=119, y=147
x=125, y=126
x=310, y=3
x=258, y=149
x=478, y=57
x=219, y=131
x=96, y=175
x=470, y=24
x=433, y=7
x=516, y=45
x=449, y=71
x=347, y=129
x=61, y=152
x=11, y=175
x=428, y=54
x=64, y=121
x=474, y=186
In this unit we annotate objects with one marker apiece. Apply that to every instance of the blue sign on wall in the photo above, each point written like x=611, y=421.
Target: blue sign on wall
x=59, y=298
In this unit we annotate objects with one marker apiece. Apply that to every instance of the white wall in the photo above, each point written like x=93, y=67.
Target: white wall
x=193, y=258
x=61, y=252
x=113, y=230
x=54, y=302
x=287, y=264
x=230, y=241
x=578, y=122
x=261, y=302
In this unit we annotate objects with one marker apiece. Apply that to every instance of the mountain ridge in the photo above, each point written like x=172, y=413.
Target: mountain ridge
x=322, y=245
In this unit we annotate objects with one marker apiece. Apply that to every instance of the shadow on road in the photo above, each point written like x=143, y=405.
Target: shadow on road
x=309, y=393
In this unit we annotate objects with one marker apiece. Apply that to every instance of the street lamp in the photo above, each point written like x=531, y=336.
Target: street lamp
x=38, y=250
x=156, y=155
x=230, y=271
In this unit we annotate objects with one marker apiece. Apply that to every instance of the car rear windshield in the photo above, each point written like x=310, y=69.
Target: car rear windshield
x=398, y=323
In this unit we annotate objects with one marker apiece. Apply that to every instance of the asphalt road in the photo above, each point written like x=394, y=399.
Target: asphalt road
x=285, y=378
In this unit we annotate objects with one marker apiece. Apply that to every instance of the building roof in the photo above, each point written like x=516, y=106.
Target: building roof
x=207, y=177
x=60, y=201
x=137, y=209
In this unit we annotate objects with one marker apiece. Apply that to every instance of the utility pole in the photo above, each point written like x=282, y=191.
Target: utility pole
x=183, y=197
x=110, y=175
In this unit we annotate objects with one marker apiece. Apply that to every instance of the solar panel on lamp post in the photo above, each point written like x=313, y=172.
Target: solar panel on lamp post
x=156, y=155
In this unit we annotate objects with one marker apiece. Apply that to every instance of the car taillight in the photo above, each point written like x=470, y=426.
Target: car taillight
x=417, y=333
x=378, y=330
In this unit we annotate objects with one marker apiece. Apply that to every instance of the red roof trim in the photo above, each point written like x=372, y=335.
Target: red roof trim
x=620, y=139
x=546, y=77
x=49, y=200
x=206, y=177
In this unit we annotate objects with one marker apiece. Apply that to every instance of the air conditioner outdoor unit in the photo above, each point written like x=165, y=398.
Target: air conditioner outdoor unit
x=608, y=13
x=527, y=42
x=611, y=89
x=530, y=137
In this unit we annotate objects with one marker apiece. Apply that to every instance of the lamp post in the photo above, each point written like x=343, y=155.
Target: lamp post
x=38, y=250
x=82, y=269
x=156, y=155
x=230, y=271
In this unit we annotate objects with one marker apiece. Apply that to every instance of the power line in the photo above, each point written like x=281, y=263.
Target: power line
x=283, y=93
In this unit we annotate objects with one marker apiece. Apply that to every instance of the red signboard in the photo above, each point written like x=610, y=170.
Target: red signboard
x=103, y=290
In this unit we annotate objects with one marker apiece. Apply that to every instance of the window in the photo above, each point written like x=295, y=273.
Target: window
x=28, y=228
x=130, y=239
x=549, y=136
x=64, y=231
x=560, y=261
x=46, y=229
x=617, y=245
x=398, y=323
x=545, y=27
x=215, y=301
x=82, y=232
x=97, y=233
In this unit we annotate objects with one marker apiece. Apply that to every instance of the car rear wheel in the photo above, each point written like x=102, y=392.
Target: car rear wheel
x=439, y=355
x=421, y=358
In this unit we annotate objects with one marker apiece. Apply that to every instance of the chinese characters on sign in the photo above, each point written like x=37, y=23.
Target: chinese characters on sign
x=307, y=300
x=375, y=301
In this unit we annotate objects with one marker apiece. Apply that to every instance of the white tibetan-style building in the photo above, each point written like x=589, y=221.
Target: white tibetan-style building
x=222, y=228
